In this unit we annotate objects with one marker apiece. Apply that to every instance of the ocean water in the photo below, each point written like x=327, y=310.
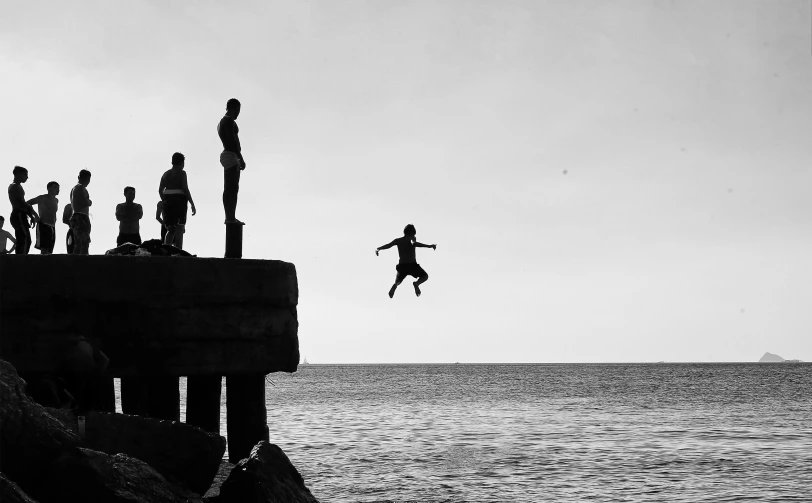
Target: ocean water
x=559, y=433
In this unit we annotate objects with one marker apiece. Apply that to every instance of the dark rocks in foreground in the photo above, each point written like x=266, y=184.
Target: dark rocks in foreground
x=266, y=476
x=11, y=492
x=87, y=475
x=145, y=460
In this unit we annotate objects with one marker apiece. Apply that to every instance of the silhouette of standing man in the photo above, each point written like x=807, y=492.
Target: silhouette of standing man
x=231, y=159
x=80, y=219
x=21, y=211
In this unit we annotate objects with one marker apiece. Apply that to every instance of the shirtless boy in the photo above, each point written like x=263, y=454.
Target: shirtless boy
x=128, y=214
x=231, y=158
x=4, y=237
x=174, y=192
x=46, y=229
x=407, y=265
x=21, y=211
x=80, y=219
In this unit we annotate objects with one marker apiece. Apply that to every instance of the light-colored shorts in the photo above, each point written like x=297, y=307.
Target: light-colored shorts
x=229, y=159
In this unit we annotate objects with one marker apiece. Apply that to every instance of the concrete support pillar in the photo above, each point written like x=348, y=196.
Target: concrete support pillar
x=164, y=397
x=155, y=396
x=203, y=402
x=134, y=396
x=247, y=418
x=234, y=240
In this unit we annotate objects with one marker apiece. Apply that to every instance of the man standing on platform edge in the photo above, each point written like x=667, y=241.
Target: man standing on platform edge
x=231, y=159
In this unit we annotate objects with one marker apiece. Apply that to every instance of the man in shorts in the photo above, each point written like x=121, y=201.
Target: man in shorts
x=175, y=194
x=128, y=214
x=47, y=204
x=80, y=219
x=21, y=211
x=231, y=159
x=407, y=265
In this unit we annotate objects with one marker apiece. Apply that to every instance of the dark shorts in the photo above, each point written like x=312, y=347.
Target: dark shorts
x=175, y=208
x=231, y=179
x=128, y=238
x=46, y=238
x=80, y=225
x=409, y=270
x=22, y=233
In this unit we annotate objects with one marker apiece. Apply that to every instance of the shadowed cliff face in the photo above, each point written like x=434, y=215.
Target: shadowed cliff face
x=151, y=315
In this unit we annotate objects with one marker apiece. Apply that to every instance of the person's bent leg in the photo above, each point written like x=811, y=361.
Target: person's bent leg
x=170, y=235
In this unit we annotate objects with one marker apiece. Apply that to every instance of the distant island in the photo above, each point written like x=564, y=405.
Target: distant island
x=771, y=358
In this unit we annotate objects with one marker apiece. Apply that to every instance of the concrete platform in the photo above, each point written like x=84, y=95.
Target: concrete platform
x=151, y=315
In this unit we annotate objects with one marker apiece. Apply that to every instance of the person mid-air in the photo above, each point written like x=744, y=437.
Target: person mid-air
x=407, y=265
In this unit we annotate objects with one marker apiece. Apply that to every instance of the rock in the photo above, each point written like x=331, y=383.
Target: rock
x=266, y=476
x=770, y=358
x=87, y=475
x=11, y=492
x=29, y=435
x=184, y=454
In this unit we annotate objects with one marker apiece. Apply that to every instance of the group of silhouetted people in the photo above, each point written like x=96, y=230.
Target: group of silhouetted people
x=171, y=212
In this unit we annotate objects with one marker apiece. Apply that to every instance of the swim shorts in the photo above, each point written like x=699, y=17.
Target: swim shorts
x=175, y=208
x=229, y=159
x=46, y=237
x=80, y=225
x=409, y=270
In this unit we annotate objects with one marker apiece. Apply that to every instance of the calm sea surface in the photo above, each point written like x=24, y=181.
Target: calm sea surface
x=634, y=433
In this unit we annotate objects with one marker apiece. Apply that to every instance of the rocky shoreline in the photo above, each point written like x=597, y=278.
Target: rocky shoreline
x=49, y=455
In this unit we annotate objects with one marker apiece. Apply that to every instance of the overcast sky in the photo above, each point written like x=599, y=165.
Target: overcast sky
x=605, y=181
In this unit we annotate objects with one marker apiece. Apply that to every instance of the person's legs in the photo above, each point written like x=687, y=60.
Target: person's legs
x=170, y=235
x=48, y=239
x=21, y=232
x=398, y=280
x=422, y=277
x=69, y=242
x=231, y=187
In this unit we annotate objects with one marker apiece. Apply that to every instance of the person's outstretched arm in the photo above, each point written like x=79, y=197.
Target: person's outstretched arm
x=188, y=194
x=384, y=247
x=421, y=245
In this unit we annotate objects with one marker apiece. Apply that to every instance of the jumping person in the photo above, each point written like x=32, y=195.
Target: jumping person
x=174, y=192
x=66, y=214
x=4, y=237
x=46, y=228
x=128, y=214
x=231, y=159
x=407, y=265
x=21, y=211
x=80, y=217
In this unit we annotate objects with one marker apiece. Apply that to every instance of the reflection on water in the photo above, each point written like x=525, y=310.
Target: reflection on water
x=678, y=433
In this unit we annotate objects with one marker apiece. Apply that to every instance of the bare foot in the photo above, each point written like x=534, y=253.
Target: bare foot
x=392, y=291
x=416, y=289
x=235, y=221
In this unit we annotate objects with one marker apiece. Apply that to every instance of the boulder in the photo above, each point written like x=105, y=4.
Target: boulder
x=11, y=492
x=184, y=454
x=85, y=475
x=29, y=435
x=266, y=476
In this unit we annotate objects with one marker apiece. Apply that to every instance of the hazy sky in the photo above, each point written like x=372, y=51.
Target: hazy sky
x=605, y=181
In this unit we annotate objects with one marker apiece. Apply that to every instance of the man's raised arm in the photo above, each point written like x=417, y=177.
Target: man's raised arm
x=386, y=246
x=421, y=245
